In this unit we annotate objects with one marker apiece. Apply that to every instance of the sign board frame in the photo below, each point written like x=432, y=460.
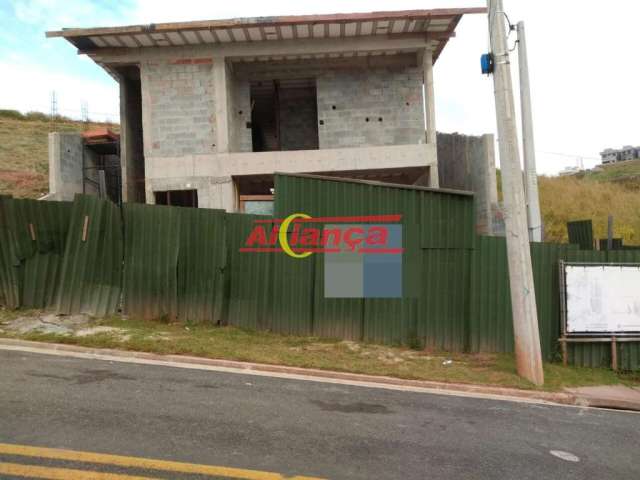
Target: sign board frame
x=563, y=302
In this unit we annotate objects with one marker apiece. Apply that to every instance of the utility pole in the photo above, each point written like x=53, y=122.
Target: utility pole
x=534, y=219
x=523, y=300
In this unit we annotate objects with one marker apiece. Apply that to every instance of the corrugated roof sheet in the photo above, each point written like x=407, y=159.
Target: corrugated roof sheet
x=438, y=24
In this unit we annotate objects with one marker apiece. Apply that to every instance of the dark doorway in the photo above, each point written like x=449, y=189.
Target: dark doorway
x=284, y=115
x=177, y=198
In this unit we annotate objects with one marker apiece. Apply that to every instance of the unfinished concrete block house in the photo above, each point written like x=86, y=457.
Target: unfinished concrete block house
x=211, y=109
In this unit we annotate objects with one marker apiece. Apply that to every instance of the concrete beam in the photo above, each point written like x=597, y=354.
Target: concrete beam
x=243, y=69
x=257, y=163
x=261, y=49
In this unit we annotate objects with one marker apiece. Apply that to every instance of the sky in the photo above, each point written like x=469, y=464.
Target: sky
x=583, y=62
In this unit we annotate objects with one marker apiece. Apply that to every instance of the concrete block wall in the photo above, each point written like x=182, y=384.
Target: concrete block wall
x=178, y=107
x=467, y=162
x=298, y=119
x=240, y=115
x=391, y=100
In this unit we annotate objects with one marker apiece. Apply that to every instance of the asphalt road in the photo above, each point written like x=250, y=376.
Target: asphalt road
x=293, y=427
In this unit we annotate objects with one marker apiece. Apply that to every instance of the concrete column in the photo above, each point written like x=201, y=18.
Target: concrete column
x=222, y=103
x=65, y=165
x=124, y=141
x=223, y=194
x=427, y=66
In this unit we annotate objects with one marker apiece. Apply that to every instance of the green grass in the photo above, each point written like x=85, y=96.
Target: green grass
x=233, y=343
x=615, y=172
x=24, y=160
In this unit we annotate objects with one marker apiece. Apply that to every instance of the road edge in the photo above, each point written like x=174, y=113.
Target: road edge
x=295, y=373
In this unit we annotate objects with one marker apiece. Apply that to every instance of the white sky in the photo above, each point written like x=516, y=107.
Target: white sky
x=583, y=59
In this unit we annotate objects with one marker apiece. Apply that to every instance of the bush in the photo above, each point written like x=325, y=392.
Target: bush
x=13, y=114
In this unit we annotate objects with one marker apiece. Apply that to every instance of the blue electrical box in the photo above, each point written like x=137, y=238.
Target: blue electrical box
x=486, y=63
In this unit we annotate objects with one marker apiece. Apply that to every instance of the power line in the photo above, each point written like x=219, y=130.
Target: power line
x=571, y=155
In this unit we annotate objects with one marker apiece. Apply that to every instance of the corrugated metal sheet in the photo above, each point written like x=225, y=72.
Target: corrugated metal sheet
x=491, y=324
x=42, y=254
x=291, y=296
x=444, y=303
x=33, y=237
x=446, y=220
x=201, y=262
x=151, y=247
x=91, y=276
x=10, y=271
x=431, y=219
x=595, y=355
x=490, y=320
x=581, y=233
x=616, y=244
x=247, y=276
x=335, y=317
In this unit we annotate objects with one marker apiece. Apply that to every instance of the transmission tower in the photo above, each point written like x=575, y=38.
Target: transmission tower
x=84, y=108
x=53, y=114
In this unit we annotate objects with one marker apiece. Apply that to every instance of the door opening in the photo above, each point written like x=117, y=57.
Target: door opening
x=284, y=115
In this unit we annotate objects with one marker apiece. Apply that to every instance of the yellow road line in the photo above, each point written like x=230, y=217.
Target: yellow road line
x=48, y=473
x=138, y=462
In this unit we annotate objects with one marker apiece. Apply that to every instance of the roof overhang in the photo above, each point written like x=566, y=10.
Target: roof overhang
x=436, y=25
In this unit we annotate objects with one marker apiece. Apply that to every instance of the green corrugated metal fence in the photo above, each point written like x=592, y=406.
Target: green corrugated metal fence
x=174, y=261
x=89, y=255
x=201, y=264
x=32, y=236
x=581, y=233
x=91, y=276
x=490, y=319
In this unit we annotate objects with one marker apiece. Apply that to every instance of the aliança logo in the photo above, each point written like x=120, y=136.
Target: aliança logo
x=363, y=254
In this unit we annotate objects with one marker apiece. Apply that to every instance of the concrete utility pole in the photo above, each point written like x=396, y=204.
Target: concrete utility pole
x=523, y=300
x=534, y=219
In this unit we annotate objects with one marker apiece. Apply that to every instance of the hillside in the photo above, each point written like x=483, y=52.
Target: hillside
x=613, y=191
x=24, y=150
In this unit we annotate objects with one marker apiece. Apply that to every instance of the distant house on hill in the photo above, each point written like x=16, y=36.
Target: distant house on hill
x=612, y=155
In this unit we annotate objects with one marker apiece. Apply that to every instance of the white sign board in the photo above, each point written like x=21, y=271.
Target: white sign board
x=602, y=299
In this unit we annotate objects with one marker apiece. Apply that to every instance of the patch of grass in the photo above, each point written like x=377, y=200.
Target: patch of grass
x=233, y=343
x=612, y=190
